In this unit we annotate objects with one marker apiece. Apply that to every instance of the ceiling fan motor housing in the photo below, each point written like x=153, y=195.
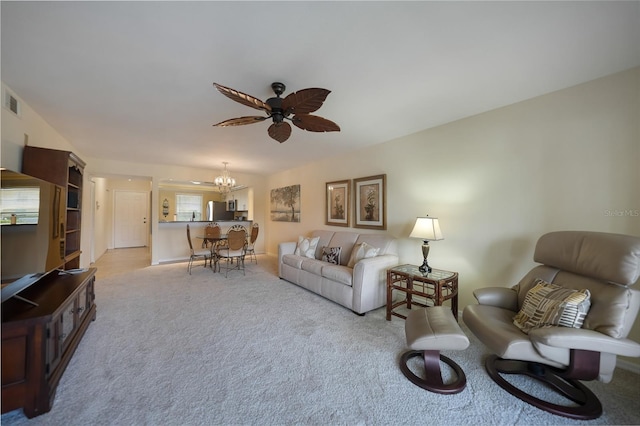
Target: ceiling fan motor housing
x=277, y=112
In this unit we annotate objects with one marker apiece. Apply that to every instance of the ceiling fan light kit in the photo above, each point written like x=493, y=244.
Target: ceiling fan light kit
x=298, y=105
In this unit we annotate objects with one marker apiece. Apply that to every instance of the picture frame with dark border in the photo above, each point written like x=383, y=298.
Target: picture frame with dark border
x=337, y=203
x=370, y=194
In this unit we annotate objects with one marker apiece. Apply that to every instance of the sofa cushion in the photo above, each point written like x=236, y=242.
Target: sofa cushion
x=338, y=273
x=386, y=244
x=549, y=305
x=362, y=251
x=345, y=240
x=293, y=260
x=307, y=247
x=325, y=238
x=313, y=265
x=331, y=255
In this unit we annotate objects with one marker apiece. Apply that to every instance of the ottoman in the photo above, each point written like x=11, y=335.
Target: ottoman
x=429, y=331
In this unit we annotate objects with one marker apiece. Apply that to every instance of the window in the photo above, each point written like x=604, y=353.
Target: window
x=188, y=207
x=24, y=203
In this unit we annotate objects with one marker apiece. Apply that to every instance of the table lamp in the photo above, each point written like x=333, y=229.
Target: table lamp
x=427, y=229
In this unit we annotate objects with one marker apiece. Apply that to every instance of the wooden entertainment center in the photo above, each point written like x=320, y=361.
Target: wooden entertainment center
x=39, y=341
x=39, y=338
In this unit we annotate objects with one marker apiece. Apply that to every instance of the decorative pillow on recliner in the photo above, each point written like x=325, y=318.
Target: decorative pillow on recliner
x=362, y=251
x=331, y=254
x=547, y=305
x=307, y=247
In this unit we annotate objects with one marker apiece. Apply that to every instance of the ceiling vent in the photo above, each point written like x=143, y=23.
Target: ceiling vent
x=11, y=103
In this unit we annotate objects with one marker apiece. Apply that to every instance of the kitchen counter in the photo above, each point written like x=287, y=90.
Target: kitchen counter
x=171, y=241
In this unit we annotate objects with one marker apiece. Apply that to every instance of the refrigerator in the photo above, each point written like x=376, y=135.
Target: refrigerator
x=217, y=211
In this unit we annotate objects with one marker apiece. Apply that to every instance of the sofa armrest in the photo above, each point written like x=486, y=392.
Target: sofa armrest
x=287, y=247
x=501, y=297
x=369, y=282
x=584, y=339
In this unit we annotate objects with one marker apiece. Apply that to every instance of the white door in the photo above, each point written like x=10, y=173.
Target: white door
x=131, y=211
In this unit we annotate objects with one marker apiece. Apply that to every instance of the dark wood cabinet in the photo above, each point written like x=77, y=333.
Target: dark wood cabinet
x=63, y=168
x=39, y=341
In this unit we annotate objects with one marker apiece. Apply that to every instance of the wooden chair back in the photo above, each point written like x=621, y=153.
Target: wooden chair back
x=212, y=230
x=254, y=233
x=189, y=239
x=236, y=239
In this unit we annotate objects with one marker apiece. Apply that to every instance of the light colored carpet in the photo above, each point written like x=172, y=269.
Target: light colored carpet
x=172, y=349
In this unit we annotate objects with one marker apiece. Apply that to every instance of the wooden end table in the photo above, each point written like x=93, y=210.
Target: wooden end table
x=437, y=285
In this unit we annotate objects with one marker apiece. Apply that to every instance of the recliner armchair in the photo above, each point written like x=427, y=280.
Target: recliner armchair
x=604, y=264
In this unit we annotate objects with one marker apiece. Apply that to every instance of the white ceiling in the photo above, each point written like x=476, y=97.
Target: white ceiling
x=133, y=80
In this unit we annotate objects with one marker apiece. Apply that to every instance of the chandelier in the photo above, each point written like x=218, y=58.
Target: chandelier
x=224, y=182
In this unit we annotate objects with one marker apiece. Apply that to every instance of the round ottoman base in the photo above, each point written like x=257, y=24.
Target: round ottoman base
x=433, y=375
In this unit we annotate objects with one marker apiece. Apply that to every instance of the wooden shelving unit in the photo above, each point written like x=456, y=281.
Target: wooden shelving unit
x=63, y=168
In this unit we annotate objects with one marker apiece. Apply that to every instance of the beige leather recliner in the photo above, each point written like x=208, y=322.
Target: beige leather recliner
x=606, y=265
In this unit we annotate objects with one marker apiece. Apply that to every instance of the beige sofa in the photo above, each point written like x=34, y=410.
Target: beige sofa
x=360, y=288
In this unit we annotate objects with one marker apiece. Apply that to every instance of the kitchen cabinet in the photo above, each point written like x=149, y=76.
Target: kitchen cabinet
x=242, y=199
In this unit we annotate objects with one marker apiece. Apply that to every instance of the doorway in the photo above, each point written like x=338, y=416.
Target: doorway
x=131, y=218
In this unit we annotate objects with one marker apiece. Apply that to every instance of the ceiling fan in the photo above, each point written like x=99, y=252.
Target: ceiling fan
x=298, y=105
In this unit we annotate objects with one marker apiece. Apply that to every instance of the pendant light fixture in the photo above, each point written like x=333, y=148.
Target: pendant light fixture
x=224, y=182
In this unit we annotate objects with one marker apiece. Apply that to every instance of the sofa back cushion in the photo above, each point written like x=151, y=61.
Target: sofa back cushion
x=385, y=243
x=325, y=237
x=346, y=240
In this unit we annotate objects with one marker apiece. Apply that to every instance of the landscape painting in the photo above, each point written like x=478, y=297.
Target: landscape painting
x=285, y=204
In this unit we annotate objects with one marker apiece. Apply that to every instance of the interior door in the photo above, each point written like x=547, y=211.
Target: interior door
x=131, y=213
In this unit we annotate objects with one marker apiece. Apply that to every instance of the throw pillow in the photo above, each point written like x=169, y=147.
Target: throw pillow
x=547, y=305
x=331, y=254
x=307, y=247
x=362, y=251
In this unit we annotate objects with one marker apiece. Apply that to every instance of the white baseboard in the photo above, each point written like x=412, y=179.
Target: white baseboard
x=628, y=365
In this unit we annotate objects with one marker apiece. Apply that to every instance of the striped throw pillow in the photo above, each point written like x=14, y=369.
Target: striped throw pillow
x=547, y=305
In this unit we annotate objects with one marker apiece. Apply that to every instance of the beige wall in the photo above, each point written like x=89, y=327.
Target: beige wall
x=29, y=123
x=498, y=180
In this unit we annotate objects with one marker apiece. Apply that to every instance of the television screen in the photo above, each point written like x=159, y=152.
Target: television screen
x=32, y=222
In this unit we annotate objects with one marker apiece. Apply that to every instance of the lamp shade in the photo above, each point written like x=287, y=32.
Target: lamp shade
x=427, y=228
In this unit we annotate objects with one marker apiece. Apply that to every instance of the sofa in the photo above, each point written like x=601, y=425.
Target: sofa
x=353, y=279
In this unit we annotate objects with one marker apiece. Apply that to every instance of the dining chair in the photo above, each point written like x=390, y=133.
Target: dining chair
x=234, y=250
x=204, y=253
x=251, y=250
x=212, y=239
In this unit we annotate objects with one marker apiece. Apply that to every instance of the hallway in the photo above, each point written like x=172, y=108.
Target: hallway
x=118, y=261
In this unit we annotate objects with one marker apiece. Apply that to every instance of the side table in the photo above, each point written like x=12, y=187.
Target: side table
x=437, y=285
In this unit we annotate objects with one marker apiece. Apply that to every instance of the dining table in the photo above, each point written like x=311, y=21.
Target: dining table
x=206, y=239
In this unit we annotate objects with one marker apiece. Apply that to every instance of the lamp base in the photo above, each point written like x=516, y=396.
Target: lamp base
x=425, y=268
x=425, y=252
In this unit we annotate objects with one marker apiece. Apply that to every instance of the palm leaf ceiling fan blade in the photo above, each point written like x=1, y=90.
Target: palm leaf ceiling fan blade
x=240, y=121
x=314, y=123
x=280, y=131
x=242, y=98
x=304, y=101
x=299, y=104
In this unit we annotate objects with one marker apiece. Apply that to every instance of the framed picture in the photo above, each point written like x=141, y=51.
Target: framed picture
x=285, y=204
x=371, y=202
x=337, y=203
